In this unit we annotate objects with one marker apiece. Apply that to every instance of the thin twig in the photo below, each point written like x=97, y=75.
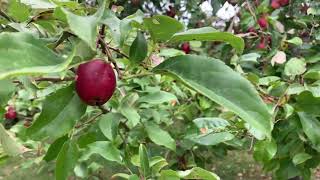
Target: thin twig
x=251, y=11
x=119, y=52
x=105, y=50
x=90, y=120
x=113, y=62
x=3, y=14
x=104, y=110
x=55, y=80
x=138, y=75
x=248, y=35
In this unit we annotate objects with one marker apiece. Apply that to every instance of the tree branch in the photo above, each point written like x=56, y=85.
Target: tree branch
x=89, y=121
x=119, y=52
x=55, y=80
x=3, y=14
x=105, y=50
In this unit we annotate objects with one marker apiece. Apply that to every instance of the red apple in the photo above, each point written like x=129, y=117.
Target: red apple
x=262, y=43
x=186, y=47
x=284, y=2
x=171, y=12
x=95, y=82
x=275, y=4
x=269, y=40
x=263, y=22
x=11, y=113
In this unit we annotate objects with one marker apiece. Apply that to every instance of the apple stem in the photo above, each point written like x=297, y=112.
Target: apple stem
x=104, y=110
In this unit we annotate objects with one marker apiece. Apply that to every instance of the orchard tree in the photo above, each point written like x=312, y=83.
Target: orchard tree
x=156, y=89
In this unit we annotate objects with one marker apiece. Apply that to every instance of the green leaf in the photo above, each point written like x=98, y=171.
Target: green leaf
x=159, y=136
x=120, y=29
x=308, y=103
x=6, y=90
x=198, y=173
x=170, y=52
x=162, y=28
x=311, y=127
x=138, y=49
x=251, y=57
x=22, y=53
x=127, y=109
x=59, y=114
x=144, y=161
x=295, y=66
x=8, y=143
x=39, y=4
x=126, y=25
x=113, y=22
x=211, y=123
x=131, y=114
x=108, y=125
x=265, y=81
x=212, y=139
x=265, y=150
x=18, y=10
x=121, y=175
x=85, y=27
x=55, y=148
x=169, y=175
x=218, y=82
x=104, y=149
x=300, y=158
x=157, y=163
x=66, y=161
x=209, y=34
x=194, y=173
x=134, y=177
x=296, y=41
x=158, y=98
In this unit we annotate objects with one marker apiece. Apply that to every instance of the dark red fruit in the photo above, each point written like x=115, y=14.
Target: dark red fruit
x=262, y=43
x=11, y=113
x=263, y=23
x=284, y=2
x=171, y=12
x=275, y=4
x=269, y=40
x=95, y=82
x=186, y=47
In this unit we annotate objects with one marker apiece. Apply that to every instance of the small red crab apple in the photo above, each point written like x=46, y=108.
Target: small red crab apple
x=275, y=4
x=95, y=82
x=262, y=44
x=186, y=47
x=11, y=113
x=171, y=12
x=263, y=22
x=284, y=2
